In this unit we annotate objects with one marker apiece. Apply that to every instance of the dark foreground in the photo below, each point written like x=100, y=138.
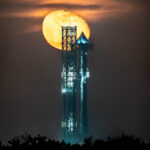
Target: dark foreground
x=27, y=142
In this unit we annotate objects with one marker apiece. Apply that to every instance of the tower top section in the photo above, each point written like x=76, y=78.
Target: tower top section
x=69, y=36
x=82, y=39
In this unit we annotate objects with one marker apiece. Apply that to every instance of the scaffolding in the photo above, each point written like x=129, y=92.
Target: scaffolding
x=74, y=85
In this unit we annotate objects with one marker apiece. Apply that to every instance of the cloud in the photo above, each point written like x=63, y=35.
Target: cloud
x=38, y=10
x=95, y=9
x=53, y=5
x=91, y=11
x=70, y=6
x=141, y=2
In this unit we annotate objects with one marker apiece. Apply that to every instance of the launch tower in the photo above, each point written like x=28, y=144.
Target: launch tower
x=74, y=85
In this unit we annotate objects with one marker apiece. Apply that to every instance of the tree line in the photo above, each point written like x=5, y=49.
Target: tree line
x=28, y=142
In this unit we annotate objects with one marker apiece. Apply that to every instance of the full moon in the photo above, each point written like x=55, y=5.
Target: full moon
x=53, y=22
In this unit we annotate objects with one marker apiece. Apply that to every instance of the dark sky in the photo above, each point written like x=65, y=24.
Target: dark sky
x=119, y=86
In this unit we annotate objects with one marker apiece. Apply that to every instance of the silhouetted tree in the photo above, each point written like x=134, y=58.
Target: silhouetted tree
x=27, y=142
x=124, y=139
x=88, y=141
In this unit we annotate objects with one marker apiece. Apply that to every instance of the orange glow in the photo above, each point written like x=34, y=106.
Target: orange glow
x=81, y=2
x=91, y=10
x=53, y=22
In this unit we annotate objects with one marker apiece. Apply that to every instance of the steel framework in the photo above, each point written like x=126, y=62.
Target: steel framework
x=69, y=82
x=74, y=85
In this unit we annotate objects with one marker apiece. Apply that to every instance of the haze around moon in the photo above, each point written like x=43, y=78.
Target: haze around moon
x=53, y=22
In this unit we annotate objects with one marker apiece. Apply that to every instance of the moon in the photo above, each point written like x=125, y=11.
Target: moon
x=53, y=22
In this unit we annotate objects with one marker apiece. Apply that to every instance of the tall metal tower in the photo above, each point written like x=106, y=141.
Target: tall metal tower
x=69, y=84
x=74, y=85
x=83, y=74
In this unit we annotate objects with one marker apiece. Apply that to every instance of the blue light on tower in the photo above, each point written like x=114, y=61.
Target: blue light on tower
x=74, y=85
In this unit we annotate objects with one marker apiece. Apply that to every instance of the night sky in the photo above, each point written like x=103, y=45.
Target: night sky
x=30, y=69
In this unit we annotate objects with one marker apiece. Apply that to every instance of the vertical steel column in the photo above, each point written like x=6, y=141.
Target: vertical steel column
x=69, y=85
x=83, y=74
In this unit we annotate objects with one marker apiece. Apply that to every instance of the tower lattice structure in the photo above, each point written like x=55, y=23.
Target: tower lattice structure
x=69, y=82
x=74, y=85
